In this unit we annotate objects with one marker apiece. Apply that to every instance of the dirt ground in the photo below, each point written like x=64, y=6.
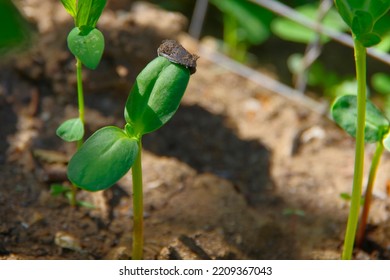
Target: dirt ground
x=238, y=173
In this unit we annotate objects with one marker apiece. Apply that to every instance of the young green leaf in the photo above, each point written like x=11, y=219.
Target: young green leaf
x=86, y=44
x=88, y=12
x=344, y=112
x=57, y=189
x=362, y=16
x=70, y=7
x=103, y=159
x=156, y=95
x=71, y=130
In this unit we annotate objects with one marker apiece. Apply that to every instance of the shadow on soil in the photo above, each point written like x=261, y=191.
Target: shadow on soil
x=205, y=142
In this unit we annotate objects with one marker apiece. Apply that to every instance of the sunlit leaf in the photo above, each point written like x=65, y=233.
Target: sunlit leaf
x=70, y=7
x=88, y=12
x=71, y=130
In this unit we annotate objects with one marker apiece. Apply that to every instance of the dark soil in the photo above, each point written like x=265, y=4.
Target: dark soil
x=238, y=173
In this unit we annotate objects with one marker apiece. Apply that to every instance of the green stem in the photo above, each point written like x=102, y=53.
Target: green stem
x=235, y=48
x=360, y=60
x=80, y=98
x=230, y=33
x=80, y=95
x=368, y=196
x=138, y=215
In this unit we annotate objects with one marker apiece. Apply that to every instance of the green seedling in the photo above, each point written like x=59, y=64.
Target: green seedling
x=111, y=151
x=86, y=43
x=376, y=130
x=293, y=212
x=245, y=24
x=361, y=17
x=66, y=191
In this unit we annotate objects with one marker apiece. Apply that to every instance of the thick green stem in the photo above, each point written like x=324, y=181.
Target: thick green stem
x=80, y=98
x=368, y=196
x=360, y=60
x=138, y=215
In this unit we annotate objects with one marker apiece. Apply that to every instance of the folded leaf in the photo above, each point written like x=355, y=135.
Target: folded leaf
x=103, y=159
x=156, y=95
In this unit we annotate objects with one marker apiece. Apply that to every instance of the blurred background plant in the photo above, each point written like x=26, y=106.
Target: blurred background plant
x=264, y=35
x=247, y=30
x=15, y=32
x=244, y=24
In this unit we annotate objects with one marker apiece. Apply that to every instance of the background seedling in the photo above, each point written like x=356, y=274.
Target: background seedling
x=361, y=17
x=86, y=43
x=58, y=189
x=245, y=24
x=111, y=151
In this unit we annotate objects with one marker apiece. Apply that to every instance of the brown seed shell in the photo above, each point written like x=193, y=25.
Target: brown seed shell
x=176, y=53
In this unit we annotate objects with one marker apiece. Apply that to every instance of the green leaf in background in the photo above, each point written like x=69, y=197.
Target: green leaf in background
x=347, y=86
x=362, y=16
x=14, y=29
x=156, y=95
x=103, y=159
x=87, y=45
x=70, y=6
x=85, y=204
x=344, y=112
x=71, y=130
x=57, y=189
x=291, y=31
x=318, y=75
x=381, y=83
x=88, y=12
x=253, y=19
